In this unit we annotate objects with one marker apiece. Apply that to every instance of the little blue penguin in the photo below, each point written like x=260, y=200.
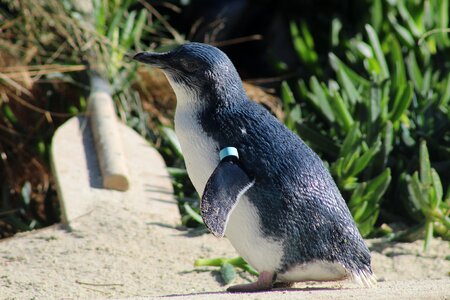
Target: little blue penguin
x=262, y=187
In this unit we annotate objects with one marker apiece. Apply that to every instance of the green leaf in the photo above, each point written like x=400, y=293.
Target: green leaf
x=359, y=211
x=437, y=185
x=337, y=166
x=401, y=31
x=227, y=272
x=302, y=88
x=172, y=139
x=443, y=22
x=402, y=101
x=376, y=187
x=425, y=168
x=249, y=269
x=404, y=13
x=364, y=49
x=399, y=76
x=139, y=26
x=317, y=140
x=414, y=70
x=177, y=172
x=114, y=25
x=295, y=115
x=352, y=139
x=41, y=147
x=373, y=67
x=416, y=192
x=209, y=262
x=375, y=43
x=374, y=104
x=286, y=93
x=348, y=183
x=126, y=39
x=320, y=99
x=388, y=141
x=349, y=161
x=443, y=102
x=194, y=215
x=236, y=261
x=369, y=217
x=343, y=116
x=385, y=99
x=406, y=135
x=426, y=82
x=362, y=162
x=366, y=225
x=349, y=88
x=300, y=45
x=357, y=196
x=336, y=26
x=428, y=235
x=377, y=14
x=9, y=114
x=241, y=263
x=307, y=35
x=364, y=203
x=337, y=65
x=100, y=16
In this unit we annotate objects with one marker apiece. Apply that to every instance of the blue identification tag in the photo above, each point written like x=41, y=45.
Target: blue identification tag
x=228, y=151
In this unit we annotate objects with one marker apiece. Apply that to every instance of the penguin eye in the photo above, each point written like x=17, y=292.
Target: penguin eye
x=189, y=65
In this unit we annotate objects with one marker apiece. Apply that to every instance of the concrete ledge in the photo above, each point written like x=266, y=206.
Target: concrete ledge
x=79, y=180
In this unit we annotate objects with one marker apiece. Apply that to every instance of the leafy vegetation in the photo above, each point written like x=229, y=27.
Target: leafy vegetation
x=47, y=50
x=389, y=91
x=227, y=266
x=427, y=196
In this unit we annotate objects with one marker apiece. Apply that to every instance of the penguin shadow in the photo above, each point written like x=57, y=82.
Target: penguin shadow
x=156, y=189
x=307, y=289
x=181, y=230
x=387, y=248
x=379, y=247
x=274, y=291
x=155, y=192
x=163, y=225
x=194, y=232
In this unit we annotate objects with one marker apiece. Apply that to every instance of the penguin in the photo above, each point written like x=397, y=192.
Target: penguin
x=261, y=186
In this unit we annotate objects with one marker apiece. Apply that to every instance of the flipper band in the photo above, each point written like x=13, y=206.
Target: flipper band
x=228, y=151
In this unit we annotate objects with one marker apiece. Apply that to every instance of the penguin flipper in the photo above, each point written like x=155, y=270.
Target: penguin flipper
x=226, y=185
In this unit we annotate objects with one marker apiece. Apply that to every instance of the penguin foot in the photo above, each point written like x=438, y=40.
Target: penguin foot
x=264, y=283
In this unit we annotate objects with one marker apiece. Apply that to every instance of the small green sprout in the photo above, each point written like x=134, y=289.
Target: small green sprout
x=227, y=266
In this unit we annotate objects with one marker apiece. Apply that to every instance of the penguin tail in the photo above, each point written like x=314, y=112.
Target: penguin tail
x=364, y=277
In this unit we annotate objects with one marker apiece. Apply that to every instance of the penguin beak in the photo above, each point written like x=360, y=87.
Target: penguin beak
x=154, y=59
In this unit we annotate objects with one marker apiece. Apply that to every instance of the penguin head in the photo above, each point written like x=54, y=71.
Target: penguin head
x=199, y=68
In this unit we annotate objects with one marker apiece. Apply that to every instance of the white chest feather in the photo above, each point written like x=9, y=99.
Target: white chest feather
x=200, y=151
x=244, y=233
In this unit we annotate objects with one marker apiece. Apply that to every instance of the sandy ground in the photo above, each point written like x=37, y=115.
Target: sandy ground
x=119, y=252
